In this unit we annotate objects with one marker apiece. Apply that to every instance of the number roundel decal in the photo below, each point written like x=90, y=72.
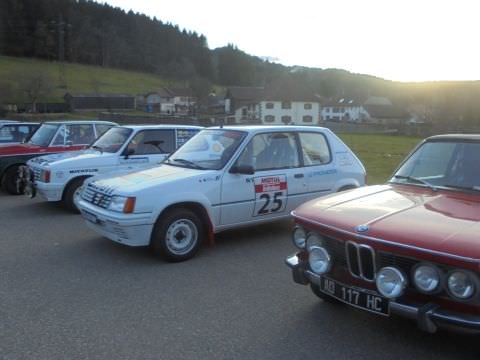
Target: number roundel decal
x=270, y=194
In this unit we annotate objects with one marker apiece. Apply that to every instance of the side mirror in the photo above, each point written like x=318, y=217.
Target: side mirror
x=242, y=169
x=128, y=152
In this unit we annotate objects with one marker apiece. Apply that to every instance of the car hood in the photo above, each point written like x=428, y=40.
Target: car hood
x=443, y=221
x=71, y=158
x=133, y=182
x=19, y=149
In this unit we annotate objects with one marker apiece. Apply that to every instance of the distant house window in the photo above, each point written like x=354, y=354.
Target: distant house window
x=269, y=105
x=335, y=110
x=269, y=118
x=307, y=119
x=286, y=105
x=244, y=112
x=307, y=106
x=286, y=119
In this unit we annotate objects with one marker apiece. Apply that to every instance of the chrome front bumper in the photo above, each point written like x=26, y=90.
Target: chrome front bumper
x=429, y=317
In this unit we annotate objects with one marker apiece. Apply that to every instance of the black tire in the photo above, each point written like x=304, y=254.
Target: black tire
x=177, y=235
x=9, y=180
x=69, y=194
x=316, y=290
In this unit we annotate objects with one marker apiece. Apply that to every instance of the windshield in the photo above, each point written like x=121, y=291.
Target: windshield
x=44, y=134
x=112, y=140
x=454, y=165
x=209, y=149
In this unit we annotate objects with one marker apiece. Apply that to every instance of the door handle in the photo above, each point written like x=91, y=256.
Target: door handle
x=298, y=176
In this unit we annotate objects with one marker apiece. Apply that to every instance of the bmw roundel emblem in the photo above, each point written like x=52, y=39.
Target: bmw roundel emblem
x=362, y=228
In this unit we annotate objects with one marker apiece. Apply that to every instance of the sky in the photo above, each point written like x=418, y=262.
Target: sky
x=405, y=40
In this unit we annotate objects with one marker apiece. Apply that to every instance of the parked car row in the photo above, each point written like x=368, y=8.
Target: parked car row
x=407, y=248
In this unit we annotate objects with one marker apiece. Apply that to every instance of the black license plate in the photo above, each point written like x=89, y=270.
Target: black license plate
x=90, y=217
x=356, y=297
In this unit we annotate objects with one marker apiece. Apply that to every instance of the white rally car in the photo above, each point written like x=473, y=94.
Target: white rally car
x=222, y=178
x=58, y=177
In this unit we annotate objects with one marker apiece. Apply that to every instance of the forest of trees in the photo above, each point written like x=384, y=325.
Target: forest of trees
x=83, y=31
x=87, y=32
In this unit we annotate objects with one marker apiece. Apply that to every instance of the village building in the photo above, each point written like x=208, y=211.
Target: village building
x=273, y=105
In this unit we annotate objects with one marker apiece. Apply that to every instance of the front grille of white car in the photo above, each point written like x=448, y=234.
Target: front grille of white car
x=36, y=173
x=96, y=196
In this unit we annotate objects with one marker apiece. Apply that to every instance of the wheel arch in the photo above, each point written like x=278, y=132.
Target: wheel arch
x=197, y=208
x=347, y=184
x=84, y=177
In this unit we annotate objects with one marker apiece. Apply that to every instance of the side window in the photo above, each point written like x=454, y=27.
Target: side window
x=270, y=151
x=315, y=149
x=60, y=137
x=152, y=142
x=22, y=133
x=102, y=128
x=79, y=134
x=6, y=134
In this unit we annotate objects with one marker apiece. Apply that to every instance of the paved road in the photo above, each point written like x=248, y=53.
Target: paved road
x=66, y=293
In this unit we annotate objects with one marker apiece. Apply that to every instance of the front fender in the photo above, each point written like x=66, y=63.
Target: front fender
x=169, y=200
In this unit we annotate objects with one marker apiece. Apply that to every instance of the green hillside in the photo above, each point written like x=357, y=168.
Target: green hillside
x=76, y=78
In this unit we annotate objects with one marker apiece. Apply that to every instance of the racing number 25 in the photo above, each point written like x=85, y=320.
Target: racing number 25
x=272, y=202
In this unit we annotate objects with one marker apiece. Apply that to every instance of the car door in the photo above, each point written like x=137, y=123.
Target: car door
x=274, y=187
x=148, y=147
x=319, y=167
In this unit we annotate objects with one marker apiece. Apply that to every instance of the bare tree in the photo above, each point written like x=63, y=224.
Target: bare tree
x=35, y=85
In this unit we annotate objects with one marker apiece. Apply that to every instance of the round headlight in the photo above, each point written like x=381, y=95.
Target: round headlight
x=391, y=282
x=426, y=278
x=313, y=240
x=299, y=237
x=319, y=260
x=460, y=285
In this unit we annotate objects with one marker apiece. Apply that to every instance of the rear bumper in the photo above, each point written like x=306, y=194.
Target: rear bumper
x=429, y=317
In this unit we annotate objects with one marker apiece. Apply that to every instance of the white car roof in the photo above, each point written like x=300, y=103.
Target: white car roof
x=80, y=122
x=262, y=128
x=161, y=126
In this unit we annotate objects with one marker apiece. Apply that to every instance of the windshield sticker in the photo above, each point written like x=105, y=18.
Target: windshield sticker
x=270, y=194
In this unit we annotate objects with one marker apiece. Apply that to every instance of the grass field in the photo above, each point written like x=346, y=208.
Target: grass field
x=380, y=154
x=78, y=78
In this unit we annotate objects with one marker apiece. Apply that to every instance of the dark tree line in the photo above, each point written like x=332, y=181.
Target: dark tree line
x=83, y=31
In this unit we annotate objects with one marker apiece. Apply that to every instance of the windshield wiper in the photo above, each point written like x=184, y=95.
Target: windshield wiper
x=460, y=187
x=412, y=178
x=187, y=162
x=96, y=147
